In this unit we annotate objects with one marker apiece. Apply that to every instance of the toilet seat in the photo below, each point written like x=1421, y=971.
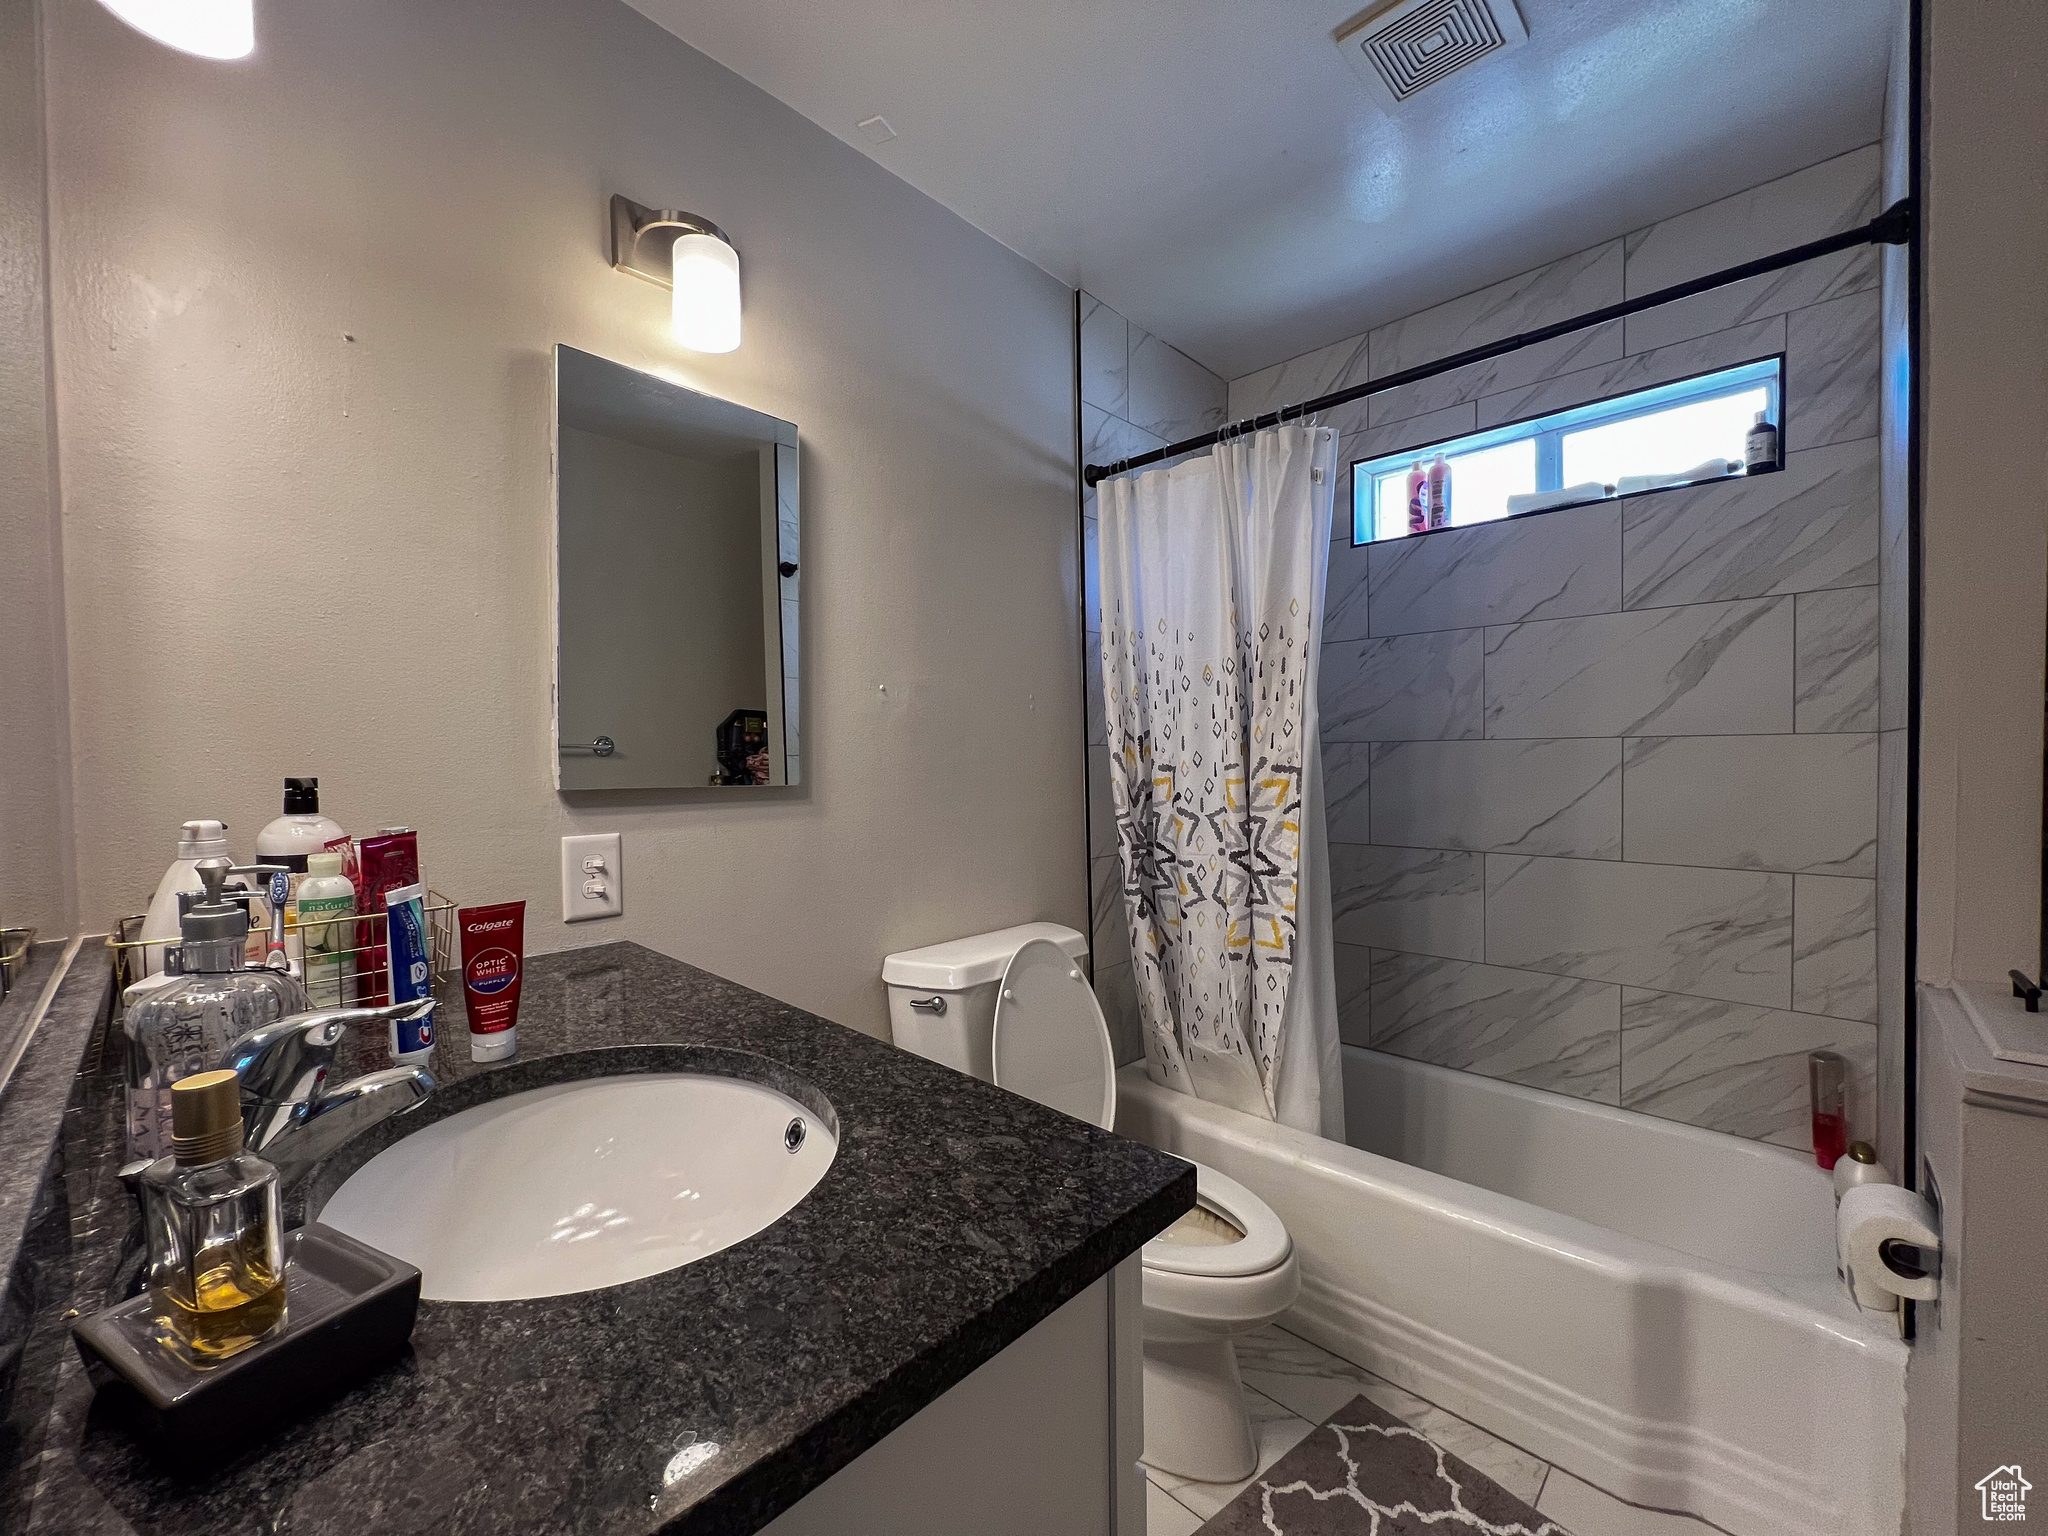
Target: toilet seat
x=1052, y=1045
x=1051, y=1042
x=1265, y=1245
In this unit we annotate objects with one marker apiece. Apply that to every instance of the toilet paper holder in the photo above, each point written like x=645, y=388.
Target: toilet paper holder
x=1909, y=1261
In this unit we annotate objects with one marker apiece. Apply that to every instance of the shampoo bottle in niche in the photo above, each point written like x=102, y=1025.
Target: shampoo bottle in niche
x=292, y=839
x=196, y=840
x=210, y=1215
x=1760, y=448
x=1418, y=498
x=1439, y=493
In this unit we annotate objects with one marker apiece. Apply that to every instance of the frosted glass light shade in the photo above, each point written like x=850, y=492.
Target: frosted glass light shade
x=707, y=296
x=213, y=29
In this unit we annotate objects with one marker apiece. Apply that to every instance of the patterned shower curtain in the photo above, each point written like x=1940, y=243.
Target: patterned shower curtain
x=1212, y=591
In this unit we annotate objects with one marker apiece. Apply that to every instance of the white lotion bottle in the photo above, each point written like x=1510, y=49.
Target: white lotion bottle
x=292, y=840
x=196, y=840
x=1858, y=1165
x=327, y=904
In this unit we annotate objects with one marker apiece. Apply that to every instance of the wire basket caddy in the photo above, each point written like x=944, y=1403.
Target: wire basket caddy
x=354, y=971
x=17, y=949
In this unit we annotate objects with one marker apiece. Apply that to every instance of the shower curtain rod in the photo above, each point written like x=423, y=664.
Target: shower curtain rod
x=1892, y=227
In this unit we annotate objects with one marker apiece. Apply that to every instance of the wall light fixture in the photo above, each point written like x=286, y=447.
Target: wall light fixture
x=698, y=263
x=213, y=29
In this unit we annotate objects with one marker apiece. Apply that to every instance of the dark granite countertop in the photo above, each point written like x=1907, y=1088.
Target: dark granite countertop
x=954, y=1218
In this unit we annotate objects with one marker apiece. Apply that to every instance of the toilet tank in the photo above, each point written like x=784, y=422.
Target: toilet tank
x=942, y=998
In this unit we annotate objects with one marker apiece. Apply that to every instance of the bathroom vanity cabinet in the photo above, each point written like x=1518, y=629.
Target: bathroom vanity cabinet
x=1977, y=1391
x=1044, y=1437
x=944, y=1335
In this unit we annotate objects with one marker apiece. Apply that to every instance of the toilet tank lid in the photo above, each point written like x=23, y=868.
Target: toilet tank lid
x=972, y=961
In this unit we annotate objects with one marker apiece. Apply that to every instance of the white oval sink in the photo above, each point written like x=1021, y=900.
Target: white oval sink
x=583, y=1185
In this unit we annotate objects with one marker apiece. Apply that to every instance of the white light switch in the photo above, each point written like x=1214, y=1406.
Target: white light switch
x=593, y=882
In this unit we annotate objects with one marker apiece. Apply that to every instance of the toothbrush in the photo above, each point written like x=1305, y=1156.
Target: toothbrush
x=280, y=890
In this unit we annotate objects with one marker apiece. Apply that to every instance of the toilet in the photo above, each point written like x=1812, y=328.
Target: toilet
x=1014, y=1008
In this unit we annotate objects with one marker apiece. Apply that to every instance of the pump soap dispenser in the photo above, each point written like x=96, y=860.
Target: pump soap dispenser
x=186, y=1025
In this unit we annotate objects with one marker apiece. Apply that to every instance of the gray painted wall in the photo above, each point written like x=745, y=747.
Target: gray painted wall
x=36, y=887
x=303, y=327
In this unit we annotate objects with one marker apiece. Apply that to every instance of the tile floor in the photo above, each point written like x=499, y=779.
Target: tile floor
x=1291, y=1385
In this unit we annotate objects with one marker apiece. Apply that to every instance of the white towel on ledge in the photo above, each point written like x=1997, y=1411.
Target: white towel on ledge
x=1544, y=501
x=1712, y=469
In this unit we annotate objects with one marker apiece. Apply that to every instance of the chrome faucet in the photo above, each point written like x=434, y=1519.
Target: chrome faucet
x=291, y=1118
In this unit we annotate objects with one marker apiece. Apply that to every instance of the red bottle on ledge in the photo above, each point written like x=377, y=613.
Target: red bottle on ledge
x=1827, y=1081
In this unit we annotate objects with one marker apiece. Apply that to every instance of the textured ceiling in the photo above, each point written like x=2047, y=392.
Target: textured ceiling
x=1216, y=172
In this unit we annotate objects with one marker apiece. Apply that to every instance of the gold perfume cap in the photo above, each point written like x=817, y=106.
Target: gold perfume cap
x=206, y=1117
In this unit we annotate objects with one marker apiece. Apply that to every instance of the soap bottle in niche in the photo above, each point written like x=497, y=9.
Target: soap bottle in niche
x=184, y=1026
x=1439, y=493
x=210, y=1217
x=1418, y=498
x=1760, y=447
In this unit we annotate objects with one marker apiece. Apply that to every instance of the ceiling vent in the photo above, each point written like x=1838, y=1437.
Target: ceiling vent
x=1402, y=49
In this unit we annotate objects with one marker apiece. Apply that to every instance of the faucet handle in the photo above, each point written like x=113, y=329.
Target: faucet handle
x=285, y=1060
x=283, y=1066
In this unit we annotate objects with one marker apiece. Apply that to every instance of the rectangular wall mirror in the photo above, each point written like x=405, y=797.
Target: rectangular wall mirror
x=676, y=522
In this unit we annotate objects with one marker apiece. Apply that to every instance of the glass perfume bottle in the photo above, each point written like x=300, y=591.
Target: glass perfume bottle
x=186, y=1025
x=210, y=1215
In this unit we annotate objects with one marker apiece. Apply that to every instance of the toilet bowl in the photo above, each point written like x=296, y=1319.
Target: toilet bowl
x=1225, y=1268
x=1013, y=1008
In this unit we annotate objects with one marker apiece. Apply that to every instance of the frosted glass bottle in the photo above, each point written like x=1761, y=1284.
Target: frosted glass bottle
x=186, y=1025
x=210, y=1217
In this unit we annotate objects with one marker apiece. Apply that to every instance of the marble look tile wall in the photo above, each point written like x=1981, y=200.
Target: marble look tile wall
x=1607, y=784
x=1137, y=394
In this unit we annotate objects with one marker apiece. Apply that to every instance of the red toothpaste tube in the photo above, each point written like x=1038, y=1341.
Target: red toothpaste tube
x=493, y=947
x=390, y=861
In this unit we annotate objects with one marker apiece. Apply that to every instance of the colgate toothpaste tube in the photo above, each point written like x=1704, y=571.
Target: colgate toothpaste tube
x=493, y=953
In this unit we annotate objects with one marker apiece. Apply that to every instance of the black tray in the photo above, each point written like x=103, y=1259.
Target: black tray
x=347, y=1307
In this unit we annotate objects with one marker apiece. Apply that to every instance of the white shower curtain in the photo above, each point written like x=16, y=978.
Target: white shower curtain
x=1213, y=574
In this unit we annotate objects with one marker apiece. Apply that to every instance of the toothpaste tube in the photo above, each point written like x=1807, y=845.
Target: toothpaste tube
x=389, y=861
x=493, y=945
x=412, y=1040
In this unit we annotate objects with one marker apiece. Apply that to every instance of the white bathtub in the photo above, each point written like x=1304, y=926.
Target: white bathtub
x=1652, y=1307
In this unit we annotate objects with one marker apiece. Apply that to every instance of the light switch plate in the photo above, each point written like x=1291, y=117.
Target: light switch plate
x=593, y=880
